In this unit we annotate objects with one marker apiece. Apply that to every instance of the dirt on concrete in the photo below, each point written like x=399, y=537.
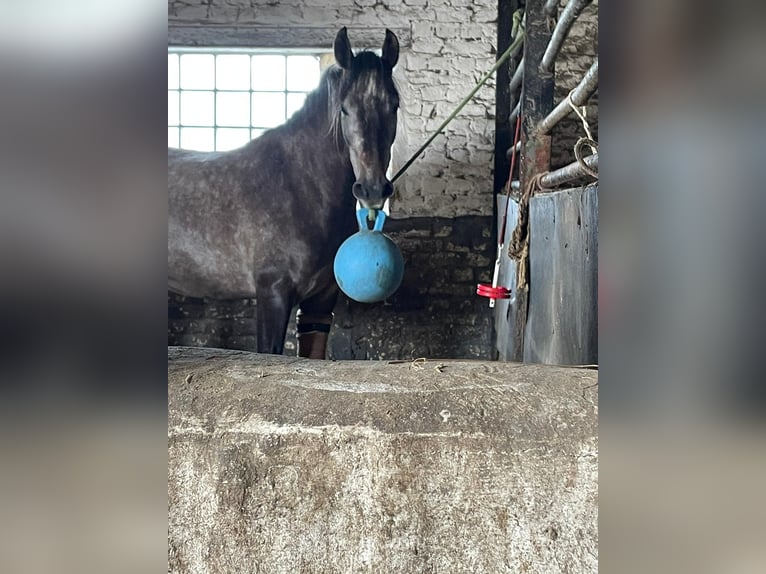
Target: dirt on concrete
x=279, y=464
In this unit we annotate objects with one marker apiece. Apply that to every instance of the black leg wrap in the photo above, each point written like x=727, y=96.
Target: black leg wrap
x=313, y=330
x=313, y=327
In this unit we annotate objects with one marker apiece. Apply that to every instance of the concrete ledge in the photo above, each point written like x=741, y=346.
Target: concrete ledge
x=285, y=465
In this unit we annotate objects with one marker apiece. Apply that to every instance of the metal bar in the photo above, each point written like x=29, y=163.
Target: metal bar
x=569, y=173
x=580, y=95
x=551, y=6
x=518, y=76
x=565, y=174
x=568, y=16
x=512, y=118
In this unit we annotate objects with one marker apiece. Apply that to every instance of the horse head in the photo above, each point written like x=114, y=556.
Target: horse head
x=368, y=102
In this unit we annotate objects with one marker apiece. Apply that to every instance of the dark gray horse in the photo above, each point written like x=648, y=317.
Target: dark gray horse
x=265, y=220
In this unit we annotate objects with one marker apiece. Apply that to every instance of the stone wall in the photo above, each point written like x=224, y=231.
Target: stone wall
x=453, y=43
x=435, y=312
x=283, y=465
x=441, y=211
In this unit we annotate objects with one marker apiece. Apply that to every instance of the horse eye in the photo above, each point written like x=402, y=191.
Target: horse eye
x=343, y=111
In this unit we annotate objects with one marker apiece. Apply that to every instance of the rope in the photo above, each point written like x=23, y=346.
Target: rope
x=588, y=140
x=507, y=54
x=578, y=155
x=518, y=247
x=501, y=238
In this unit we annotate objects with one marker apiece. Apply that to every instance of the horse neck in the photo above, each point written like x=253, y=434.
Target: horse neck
x=330, y=150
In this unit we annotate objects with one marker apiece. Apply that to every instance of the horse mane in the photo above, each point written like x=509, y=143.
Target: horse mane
x=323, y=103
x=322, y=106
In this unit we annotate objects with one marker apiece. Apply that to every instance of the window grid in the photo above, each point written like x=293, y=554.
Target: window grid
x=176, y=130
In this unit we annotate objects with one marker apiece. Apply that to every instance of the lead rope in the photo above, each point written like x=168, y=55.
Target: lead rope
x=507, y=54
x=493, y=291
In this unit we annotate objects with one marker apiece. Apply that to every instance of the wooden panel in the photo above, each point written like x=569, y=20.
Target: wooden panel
x=508, y=337
x=562, y=320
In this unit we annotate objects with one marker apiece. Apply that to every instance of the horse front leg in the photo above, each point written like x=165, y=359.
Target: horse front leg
x=314, y=321
x=274, y=301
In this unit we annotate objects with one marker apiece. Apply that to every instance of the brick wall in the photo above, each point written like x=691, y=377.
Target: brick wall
x=441, y=212
x=452, y=45
x=435, y=312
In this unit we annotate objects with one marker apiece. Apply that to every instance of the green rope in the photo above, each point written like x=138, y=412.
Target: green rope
x=507, y=54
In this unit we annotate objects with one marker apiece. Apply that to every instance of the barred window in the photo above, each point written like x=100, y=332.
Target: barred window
x=219, y=99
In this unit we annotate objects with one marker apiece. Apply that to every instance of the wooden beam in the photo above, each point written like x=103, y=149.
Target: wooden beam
x=181, y=35
x=536, y=103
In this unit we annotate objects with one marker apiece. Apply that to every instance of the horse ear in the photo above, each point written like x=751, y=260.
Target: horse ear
x=343, y=53
x=390, y=48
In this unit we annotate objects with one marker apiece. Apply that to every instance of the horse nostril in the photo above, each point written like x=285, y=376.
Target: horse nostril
x=359, y=191
x=388, y=189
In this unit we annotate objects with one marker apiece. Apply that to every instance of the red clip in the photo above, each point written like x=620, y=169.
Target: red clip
x=486, y=290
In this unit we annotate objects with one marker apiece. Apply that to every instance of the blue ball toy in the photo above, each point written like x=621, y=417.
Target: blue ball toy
x=369, y=266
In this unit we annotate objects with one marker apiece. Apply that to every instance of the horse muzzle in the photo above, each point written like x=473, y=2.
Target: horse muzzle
x=373, y=195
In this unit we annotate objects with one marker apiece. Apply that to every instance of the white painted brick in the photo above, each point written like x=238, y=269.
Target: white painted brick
x=447, y=31
x=319, y=14
x=191, y=12
x=451, y=48
x=433, y=93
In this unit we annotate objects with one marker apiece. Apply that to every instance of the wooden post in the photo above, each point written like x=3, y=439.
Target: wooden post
x=536, y=104
x=503, y=123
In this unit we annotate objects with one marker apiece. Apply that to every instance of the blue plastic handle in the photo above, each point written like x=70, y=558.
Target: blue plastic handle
x=361, y=217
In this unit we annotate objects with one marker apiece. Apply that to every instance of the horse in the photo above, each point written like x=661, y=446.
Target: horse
x=265, y=220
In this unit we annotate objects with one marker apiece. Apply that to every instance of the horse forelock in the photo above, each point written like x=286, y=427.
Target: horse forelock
x=370, y=79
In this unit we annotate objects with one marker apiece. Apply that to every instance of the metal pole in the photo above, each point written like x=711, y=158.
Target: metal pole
x=568, y=16
x=568, y=173
x=551, y=6
x=513, y=116
x=580, y=95
x=518, y=75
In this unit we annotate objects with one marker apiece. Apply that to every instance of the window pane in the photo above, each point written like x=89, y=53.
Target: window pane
x=197, y=108
x=231, y=138
x=232, y=72
x=268, y=73
x=232, y=109
x=172, y=137
x=173, y=108
x=197, y=72
x=200, y=139
x=172, y=71
x=302, y=73
x=268, y=109
x=254, y=133
x=294, y=103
